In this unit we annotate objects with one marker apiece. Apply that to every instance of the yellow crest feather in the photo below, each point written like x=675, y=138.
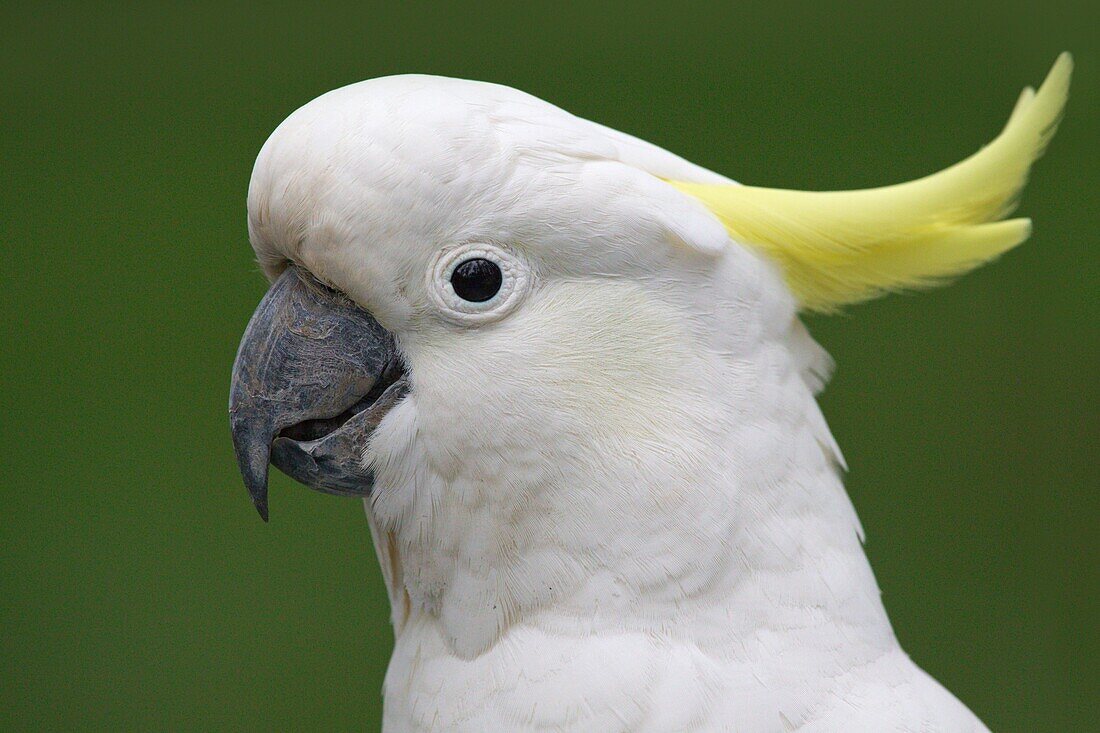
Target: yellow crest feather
x=840, y=247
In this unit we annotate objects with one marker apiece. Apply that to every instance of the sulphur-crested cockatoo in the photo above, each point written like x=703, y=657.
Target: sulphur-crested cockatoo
x=566, y=369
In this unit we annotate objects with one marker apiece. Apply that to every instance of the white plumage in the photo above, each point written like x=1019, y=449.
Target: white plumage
x=613, y=505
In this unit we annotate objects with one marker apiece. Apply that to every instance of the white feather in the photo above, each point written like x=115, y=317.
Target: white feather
x=617, y=508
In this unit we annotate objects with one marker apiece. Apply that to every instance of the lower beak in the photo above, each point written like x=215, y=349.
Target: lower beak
x=314, y=376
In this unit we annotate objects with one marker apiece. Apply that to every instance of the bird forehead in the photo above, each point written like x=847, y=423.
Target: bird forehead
x=412, y=151
x=420, y=124
x=372, y=136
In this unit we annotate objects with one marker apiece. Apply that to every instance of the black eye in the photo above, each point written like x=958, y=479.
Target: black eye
x=476, y=280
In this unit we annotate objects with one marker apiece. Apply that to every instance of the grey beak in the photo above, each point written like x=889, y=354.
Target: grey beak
x=313, y=377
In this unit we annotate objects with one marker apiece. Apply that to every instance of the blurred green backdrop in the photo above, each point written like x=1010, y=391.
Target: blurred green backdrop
x=139, y=589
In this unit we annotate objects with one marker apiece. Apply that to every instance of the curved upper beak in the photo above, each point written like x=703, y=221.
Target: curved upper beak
x=313, y=377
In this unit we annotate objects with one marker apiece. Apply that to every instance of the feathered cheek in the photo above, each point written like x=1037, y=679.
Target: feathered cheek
x=394, y=452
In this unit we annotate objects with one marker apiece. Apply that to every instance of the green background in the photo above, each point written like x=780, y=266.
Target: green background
x=138, y=589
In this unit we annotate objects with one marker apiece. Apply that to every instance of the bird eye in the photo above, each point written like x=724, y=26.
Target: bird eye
x=477, y=282
x=477, y=279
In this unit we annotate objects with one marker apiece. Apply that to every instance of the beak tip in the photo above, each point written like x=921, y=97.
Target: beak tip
x=257, y=490
x=253, y=463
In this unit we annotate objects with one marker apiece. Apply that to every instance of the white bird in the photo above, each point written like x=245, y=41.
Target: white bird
x=567, y=369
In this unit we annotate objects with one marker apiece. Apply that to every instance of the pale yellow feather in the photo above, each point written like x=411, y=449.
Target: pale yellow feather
x=841, y=247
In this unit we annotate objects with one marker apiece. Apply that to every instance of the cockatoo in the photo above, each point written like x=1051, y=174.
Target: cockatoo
x=566, y=369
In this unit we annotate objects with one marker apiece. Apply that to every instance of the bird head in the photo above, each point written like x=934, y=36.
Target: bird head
x=546, y=350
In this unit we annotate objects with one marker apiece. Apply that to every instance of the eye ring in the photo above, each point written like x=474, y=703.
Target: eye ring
x=495, y=304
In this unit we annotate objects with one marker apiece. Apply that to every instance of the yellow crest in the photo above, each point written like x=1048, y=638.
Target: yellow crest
x=840, y=247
